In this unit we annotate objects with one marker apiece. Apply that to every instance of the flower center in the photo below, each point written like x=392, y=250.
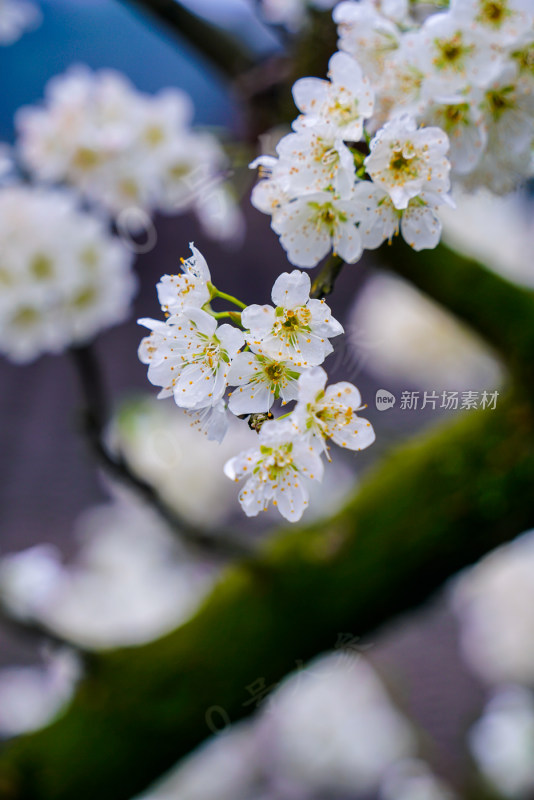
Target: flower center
x=493, y=13
x=498, y=102
x=275, y=372
x=401, y=167
x=454, y=115
x=451, y=53
x=276, y=460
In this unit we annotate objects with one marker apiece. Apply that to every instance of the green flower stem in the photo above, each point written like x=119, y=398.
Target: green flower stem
x=224, y=296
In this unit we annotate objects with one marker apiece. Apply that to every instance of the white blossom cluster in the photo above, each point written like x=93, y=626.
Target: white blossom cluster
x=17, y=17
x=408, y=104
x=63, y=277
x=276, y=356
x=123, y=149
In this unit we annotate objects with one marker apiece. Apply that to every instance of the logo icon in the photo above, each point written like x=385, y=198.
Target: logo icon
x=384, y=400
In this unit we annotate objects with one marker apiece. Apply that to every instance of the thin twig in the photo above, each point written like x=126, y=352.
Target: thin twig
x=95, y=415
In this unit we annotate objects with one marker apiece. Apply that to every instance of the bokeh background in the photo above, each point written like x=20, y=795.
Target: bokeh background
x=397, y=715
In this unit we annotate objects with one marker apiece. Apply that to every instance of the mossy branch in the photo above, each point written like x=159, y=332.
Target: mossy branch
x=433, y=507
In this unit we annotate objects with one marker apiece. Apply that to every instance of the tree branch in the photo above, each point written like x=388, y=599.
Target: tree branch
x=226, y=52
x=432, y=508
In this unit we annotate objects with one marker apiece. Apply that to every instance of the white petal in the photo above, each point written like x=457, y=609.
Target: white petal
x=309, y=94
x=252, y=398
x=311, y=382
x=345, y=393
x=421, y=227
x=291, y=289
x=243, y=367
x=258, y=318
x=357, y=435
x=347, y=242
x=231, y=338
x=291, y=497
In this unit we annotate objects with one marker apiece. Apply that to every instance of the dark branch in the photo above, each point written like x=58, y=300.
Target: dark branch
x=94, y=418
x=225, y=51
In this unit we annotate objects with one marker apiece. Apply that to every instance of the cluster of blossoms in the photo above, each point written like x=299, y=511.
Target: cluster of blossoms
x=274, y=355
x=63, y=277
x=408, y=103
x=124, y=150
x=16, y=17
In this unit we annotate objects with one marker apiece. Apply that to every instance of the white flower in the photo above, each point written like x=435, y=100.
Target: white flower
x=189, y=357
x=331, y=413
x=412, y=779
x=297, y=329
x=405, y=161
x=496, y=231
x=30, y=697
x=502, y=741
x=332, y=727
x=130, y=581
x=455, y=56
x=403, y=336
x=162, y=443
x=345, y=101
x=380, y=220
x=28, y=579
x=311, y=225
x=260, y=381
x=211, y=420
x=316, y=159
x=366, y=34
x=497, y=641
x=119, y=147
x=276, y=471
x=502, y=21
x=463, y=123
x=176, y=292
x=16, y=17
x=63, y=276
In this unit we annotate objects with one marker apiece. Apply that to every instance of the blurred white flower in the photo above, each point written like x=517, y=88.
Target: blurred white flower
x=413, y=780
x=130, y=581
x=223, y=768
x=331, y=727
x=17, y=17
x=502, y=741
x=63, y=276
x=404, y=336
x=498, y=231
x=31, y=696
x=28, y=579
x=162, y=444
x=495, y=605
x=123, y=149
